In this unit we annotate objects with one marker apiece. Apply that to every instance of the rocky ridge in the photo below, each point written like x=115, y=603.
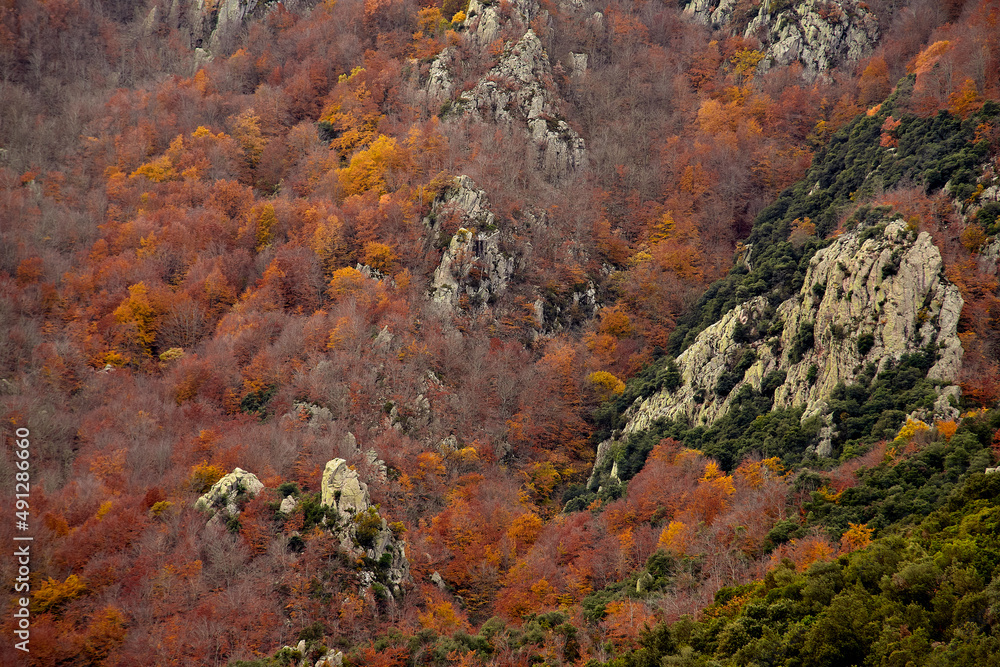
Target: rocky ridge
x=518, y=90
x=819, y=34
x=871, y=296
x=207, y=24
x=474, y=267
x=359, y=526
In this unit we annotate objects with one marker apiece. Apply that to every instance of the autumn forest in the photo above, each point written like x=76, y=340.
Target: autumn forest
x=539, y=272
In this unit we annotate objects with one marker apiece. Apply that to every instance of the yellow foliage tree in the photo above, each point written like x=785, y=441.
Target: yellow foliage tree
x=353, y=117
x=910, y=429
x=973, y=237
x=52, y=593
x=966, y=100
x=138, y=312
x=664, y=228
x=857, y=536
x=346, y=281
x=329, y=244
x=266, y=222
x=370, y=168
x=544, y=479
x=675, y=538
x=605, y=384
x=158, y=170
x=203, y=476
x=442, y=618
x=946, y=429
x=929, y=57
x=524, y=530
x=379, y=256
x=248, y=136
x=615, y=322
x=743, y=63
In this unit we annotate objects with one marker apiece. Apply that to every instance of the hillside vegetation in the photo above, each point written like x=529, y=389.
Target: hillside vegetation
x=353, y=332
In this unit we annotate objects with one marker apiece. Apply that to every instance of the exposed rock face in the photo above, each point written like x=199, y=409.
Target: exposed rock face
x=474, y=264
x=343, y=490
x=439, y=84
x=360, y=527
x=207, y=24
x=330, y=657
x=989, y=256
x=484, y=21
x=225, y=493
x=888, y=288
x=518, y=90
x=288, y=505
x=819, y=34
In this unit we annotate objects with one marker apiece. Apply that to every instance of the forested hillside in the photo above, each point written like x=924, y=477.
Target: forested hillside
x=468, y=332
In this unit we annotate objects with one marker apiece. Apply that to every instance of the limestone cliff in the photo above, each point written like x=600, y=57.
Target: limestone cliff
x=360, y=527
x=871, y=296
x=484, y=19
x=819, y=34
x=207, y=24
x=475, y=267
x=518, y=91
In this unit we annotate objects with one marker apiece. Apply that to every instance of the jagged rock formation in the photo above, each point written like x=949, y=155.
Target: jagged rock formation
x=475, y=264
x=359, y=525
x=288, y=505
x=871, y=296
x=989, y=256
x=557, y=314
x=518, y=90
x=343, y=490
x=483, y=20
x=350, y=516
x=207, y=24
x=820, y=34
x=228, y=491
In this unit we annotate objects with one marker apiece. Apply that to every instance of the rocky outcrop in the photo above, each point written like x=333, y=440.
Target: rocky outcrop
x=483, y=20
x=518, y=91
x=298, y=655
x=475, y=267
x=343, y=490
x=350, y=515
x=226, y=494
x=206, y=25
x=871, y=296
x=989, y=256
x=819, y=34
x=360, y=527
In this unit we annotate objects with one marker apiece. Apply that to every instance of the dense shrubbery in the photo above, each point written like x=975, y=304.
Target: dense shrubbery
x=928, y=596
